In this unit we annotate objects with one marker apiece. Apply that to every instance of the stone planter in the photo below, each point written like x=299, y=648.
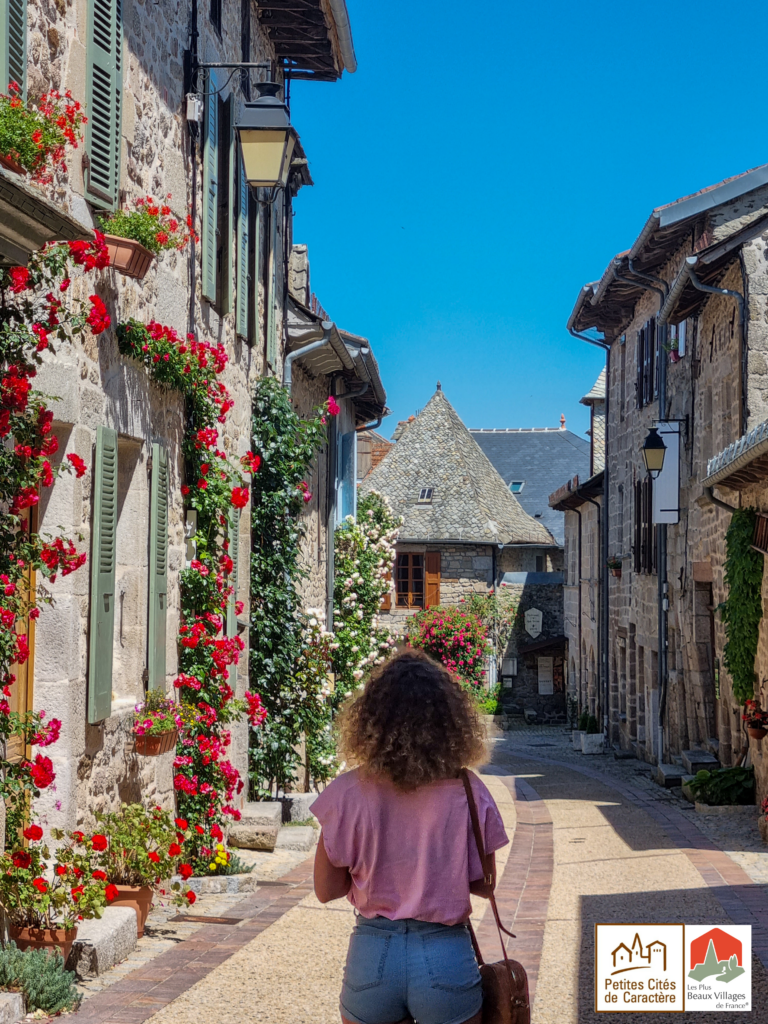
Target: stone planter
x=591, y=743
x=139, y=898
x=128, y=256
x=756, y=733
x=576, y=735
x=43, y=938
x=153, y=746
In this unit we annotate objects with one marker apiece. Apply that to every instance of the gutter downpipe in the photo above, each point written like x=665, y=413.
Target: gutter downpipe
x=370, y=426
x=581, y=667
x=716, y=501
x=603, y=638
x=293, y=356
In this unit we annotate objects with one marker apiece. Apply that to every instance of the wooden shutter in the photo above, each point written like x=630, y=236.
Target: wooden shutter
x=254, y=242
x=432, y=578
x=271, y=288
x=228, y=140
x=234, y=554
x=242, y=254
x=104, y=97
x=13, y=44
x=638, y=526
x=653, y=385
x=103, y=559
x=347, y=475
x=640, y=365
x=158, y=568
x=210, y=193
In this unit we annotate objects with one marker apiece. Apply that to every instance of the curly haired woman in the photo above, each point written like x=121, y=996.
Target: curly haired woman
x=397, y=841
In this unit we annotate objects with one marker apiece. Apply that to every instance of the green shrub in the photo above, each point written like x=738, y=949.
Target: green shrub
x=489, y=701
x=583, y=721
x=592, y=727
x=40, y=976
x=742, y=610
x=724, y=786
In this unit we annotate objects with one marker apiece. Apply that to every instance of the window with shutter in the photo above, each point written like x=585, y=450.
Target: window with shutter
x=210, y=192
x=347, y=480
x=409, y=580
x=271, y=288
x=243, y=252
x=234, y=553
x=104, y=97
x=13, y=44
x=230, y=146
x=640, y=366
x=103, y=558
x=432, y=578
x=158, y=568
x=254, y=230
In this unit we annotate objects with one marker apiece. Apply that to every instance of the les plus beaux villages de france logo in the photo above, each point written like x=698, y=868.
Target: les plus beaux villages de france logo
x=672, y=968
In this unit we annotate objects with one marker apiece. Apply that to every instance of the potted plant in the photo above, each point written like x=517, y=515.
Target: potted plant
x=155, y=724
x=756, y=719
x=614, y=564
x=34, y=136
x=42, y=906
x=592, y=739
x=724, y=787
x=135, y=851
x=135, y=237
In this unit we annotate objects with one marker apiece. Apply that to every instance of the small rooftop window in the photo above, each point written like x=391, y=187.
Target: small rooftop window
x=516, y=486
x=425, y=496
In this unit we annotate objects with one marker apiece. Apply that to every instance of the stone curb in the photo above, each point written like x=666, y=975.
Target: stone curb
x=11, y=1007
x=222, y=883
x=102, y=943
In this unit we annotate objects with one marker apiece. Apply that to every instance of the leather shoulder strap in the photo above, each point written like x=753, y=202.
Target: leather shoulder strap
x=475, y=819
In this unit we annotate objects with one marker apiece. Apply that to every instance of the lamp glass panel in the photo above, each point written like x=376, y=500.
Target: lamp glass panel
x=654, y=459
x=264, y=155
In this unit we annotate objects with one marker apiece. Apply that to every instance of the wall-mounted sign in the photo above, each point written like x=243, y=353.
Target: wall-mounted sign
x=534, y=619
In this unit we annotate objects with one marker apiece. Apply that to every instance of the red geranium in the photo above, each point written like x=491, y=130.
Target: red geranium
x=33, y=833
x=21, y=859
x=111, y=892
x=98, y=318
x=239, y=497
x=40, y=884
x=41, y=771
x=78, y=464
x=99, y=842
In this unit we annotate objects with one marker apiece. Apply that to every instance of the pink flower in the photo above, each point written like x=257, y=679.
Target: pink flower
x=333, y=407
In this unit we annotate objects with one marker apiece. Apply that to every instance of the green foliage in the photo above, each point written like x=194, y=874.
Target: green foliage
x=724, y=786
x=572, y=711
x=743, y=608
x=454, y=636
x=155, y=715
x=151, y=224
x=36, y=134
x=489, y=701
x=40, y=975
x=498, y=612
x=583, y=721
x=235, y=866
x=592, y=727
x=284, y=672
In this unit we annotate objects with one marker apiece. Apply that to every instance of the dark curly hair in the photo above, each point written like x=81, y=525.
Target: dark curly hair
x=412, y=723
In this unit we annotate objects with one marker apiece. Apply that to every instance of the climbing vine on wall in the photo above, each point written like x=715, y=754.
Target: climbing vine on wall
x=289, y=650
x=743, y=608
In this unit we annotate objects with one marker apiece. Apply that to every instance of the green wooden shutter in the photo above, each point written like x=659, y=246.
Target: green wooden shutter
x=210, y=192
x=242, y=255
x=253, y=281
x=227, y=269
x=234, y=554
x=158, y=568
x=272, y=289
x=104, y=97
x=103, y=559
x=13, y=44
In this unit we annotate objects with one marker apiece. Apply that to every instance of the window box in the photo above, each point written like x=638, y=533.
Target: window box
x=128, y=256
x=160, y=743
x=11, y=165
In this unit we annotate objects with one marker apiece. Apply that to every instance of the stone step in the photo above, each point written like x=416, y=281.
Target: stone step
x=296, y=806
x=712, y=746
x=253, y=837
x=262, y=812
x=297, y=837
x=695, y=760
x=668, y=775
x=103, y=942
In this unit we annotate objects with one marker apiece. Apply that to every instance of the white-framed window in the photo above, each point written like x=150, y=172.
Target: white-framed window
x=425, y=496
x=516, y=486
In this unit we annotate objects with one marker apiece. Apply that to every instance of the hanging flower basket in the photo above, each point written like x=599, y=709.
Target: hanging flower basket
x=160, y=743
x=616, y=573
x=128, y=256
x=755, y=733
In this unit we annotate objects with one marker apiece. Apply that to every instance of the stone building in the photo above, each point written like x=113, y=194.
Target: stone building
x=130, y=62
x=579, y=501
x=682, y=314
x=465, y=533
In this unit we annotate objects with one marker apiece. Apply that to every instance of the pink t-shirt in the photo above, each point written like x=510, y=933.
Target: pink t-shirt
x=411, y=855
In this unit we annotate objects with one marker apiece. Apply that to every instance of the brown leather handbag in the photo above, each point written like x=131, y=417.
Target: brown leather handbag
x=505, y=983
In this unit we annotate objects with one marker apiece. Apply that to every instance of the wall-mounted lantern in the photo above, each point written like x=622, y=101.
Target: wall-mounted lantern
x=653, y=452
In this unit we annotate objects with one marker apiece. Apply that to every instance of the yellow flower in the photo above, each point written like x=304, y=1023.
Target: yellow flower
x=212, y=867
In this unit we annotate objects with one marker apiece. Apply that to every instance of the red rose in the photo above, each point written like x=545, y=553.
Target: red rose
x=21, y=859
x=60, y=870
x=111, y=892
x=100, y=875
x=181, y=823
x=40, y=884
x=77, y=892
x=239, y=497
x=190, y=896
x=185, y=870
x=154, y=857
x=41, y=770
x=174, y=850
x=34, y=832
x=78, y=465
x=199, y=829
x=99, y=842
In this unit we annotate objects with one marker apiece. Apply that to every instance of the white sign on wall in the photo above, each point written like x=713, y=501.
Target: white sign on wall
x=534, y=619
x=546, y=675
x=666, y=486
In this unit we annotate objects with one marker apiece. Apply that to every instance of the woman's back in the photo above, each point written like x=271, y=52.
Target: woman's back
x=411, y=854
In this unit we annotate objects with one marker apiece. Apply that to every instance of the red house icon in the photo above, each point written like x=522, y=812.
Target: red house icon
x=725, y=947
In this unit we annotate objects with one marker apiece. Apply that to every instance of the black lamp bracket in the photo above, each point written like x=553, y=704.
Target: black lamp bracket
x=206, y=68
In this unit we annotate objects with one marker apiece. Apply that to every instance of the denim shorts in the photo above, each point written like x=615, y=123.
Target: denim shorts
x=399, y=968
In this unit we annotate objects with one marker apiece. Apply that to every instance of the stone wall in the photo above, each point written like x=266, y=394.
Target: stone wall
x=581, y=605
x=522, y=691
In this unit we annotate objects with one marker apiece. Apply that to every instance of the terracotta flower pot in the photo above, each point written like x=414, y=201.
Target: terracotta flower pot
x=756, y=734
x=137, y=896
x=674, y=356
x=10, y=165
x=43, y=938
x=153, y=746
x=128, y=256
x=616, y=573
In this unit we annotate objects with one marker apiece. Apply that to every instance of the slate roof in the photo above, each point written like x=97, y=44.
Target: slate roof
x=597, y=394
x=470, y=502
x=541, y=458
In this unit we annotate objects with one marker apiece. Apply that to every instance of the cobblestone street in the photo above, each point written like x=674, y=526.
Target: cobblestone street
x=593, y=840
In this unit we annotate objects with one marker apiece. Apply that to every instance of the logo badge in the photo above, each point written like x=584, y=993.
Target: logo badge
x=639, y=968
x=718, y=968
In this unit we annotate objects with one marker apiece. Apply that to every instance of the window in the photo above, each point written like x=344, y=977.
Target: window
x=425, y=496
x=104, y=89
x=539, y=563
x=218, y=194
x=215, y=14
x=224, y=218
x=516, y=486
x=647, y=364
x=677, y=333
x=645, y=531
x=410, y=581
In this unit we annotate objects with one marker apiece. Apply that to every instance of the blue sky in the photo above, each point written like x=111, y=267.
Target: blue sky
x=486, y=160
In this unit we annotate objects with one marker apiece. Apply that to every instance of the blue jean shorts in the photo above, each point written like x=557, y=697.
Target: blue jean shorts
x=399, y=968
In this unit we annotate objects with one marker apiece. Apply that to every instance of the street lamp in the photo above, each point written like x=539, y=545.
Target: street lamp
x=653, y=451
x=267, y=140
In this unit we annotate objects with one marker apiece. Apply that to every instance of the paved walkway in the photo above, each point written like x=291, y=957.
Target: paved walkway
x=593, y=840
